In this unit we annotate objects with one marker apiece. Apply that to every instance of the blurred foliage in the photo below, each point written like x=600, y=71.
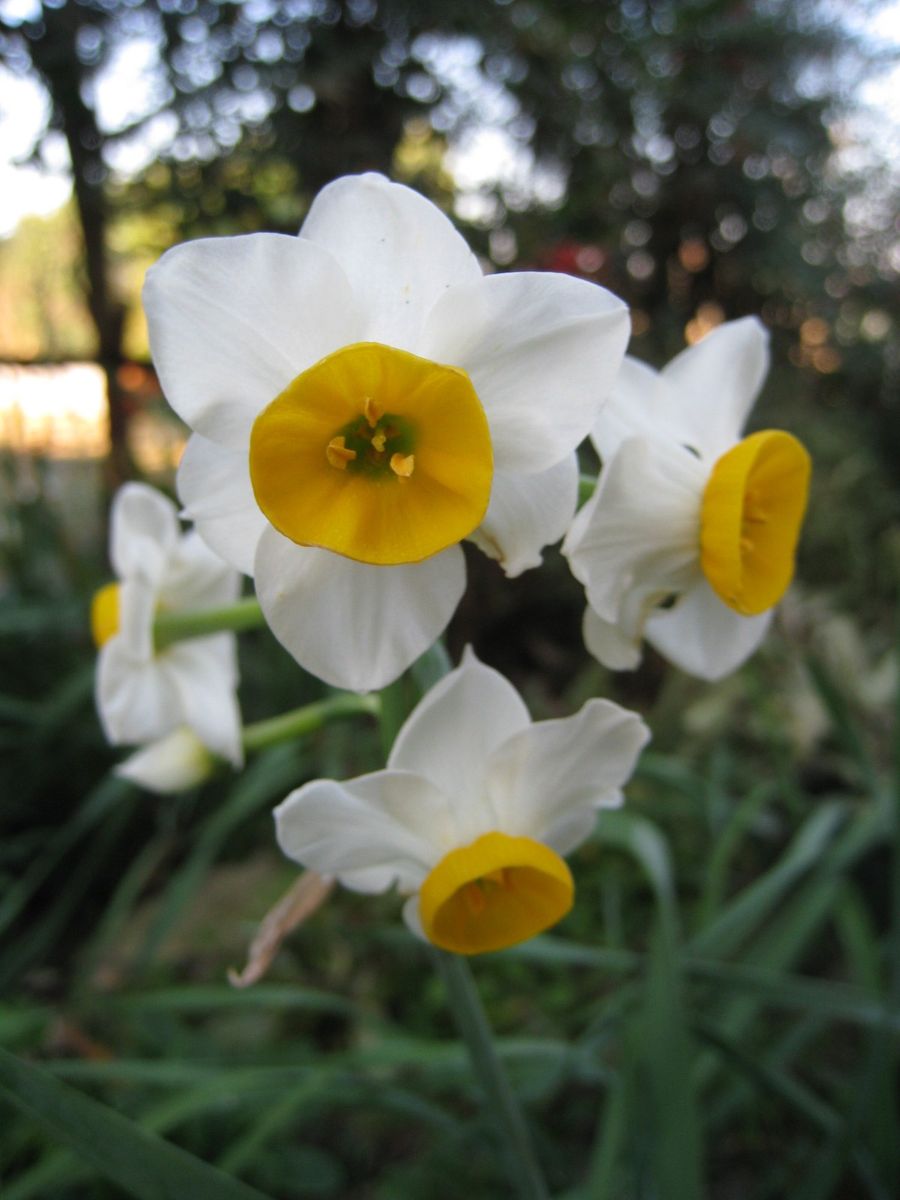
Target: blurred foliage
x=42, y=309
x=718, y=1016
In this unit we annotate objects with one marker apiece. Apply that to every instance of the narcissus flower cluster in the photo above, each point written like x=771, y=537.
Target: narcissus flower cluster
x=363, y=398
x=185, y=693
x=473, y=813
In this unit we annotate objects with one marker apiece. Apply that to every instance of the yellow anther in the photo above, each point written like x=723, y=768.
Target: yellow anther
x=403, y=464
x=372, y=411
x=338, y=454
x=378, y=442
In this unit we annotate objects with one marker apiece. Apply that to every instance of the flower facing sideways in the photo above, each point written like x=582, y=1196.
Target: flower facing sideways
x=690, y=537
x=473, y=813
x=144, y=693
x=363, y=398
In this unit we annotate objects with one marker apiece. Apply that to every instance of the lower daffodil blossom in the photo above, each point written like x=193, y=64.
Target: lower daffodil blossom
x=690, y=537
x=473, y=813
x=363, y=398
x=143, y=693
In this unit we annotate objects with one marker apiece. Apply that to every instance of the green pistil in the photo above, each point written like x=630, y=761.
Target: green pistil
x=399, y=438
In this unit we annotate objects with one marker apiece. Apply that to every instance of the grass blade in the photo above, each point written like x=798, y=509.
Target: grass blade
x=144, y=1165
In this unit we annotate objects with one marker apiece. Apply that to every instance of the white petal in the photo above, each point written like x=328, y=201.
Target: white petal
x=452, y=732
x=717, y=381
x=526, y=513
x=642, y=526
x=197, y=578
x=545, y=778
x=135, y=699
x=368, y=832
x=398, y=250
x=353, y=625
x=137, y=608
x=214, y=486
x=542, y=351
x=202, y=676
x=412, y=918
x=641, y=405
x=144, y=530
x=617, y=646
x=705, y=637
x=232, y=320
x=169, y=765
x=191, y=683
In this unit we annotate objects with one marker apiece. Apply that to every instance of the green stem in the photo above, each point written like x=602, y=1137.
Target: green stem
x=587, y=485
x=472, y=1021
x=308, y=719
x=175, y=626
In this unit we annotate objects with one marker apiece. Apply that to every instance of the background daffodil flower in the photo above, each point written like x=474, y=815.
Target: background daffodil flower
x=362, y=399
x=473, y=812
x=143, y=693
x=689, y=539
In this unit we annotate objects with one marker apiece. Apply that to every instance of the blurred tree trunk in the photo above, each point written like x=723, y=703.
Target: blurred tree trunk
x=55, y=55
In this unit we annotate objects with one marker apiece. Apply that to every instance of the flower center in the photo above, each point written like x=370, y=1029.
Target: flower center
x=375, y=454
x=496, y=892
x=750, y=521
x=105, y=614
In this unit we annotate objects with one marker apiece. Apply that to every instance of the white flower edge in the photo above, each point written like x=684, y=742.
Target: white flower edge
x=700, y=399
x=698, y=634
x=526, y=513
x=169, y=765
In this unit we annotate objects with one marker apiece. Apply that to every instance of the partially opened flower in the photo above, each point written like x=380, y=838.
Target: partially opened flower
x=363, y=399
x=145, y=693
x=690, y=537
x=473, y=813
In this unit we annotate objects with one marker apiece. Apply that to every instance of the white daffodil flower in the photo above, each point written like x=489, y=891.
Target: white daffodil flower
x=473, y=812
x=363, y=398
x=172, y=763
x=690, y=537
x=143, y=693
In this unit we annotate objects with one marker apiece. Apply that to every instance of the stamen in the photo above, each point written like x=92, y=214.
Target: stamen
x=474, y=898
x=338, y=454
x=403, y=464
x=373, y=413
